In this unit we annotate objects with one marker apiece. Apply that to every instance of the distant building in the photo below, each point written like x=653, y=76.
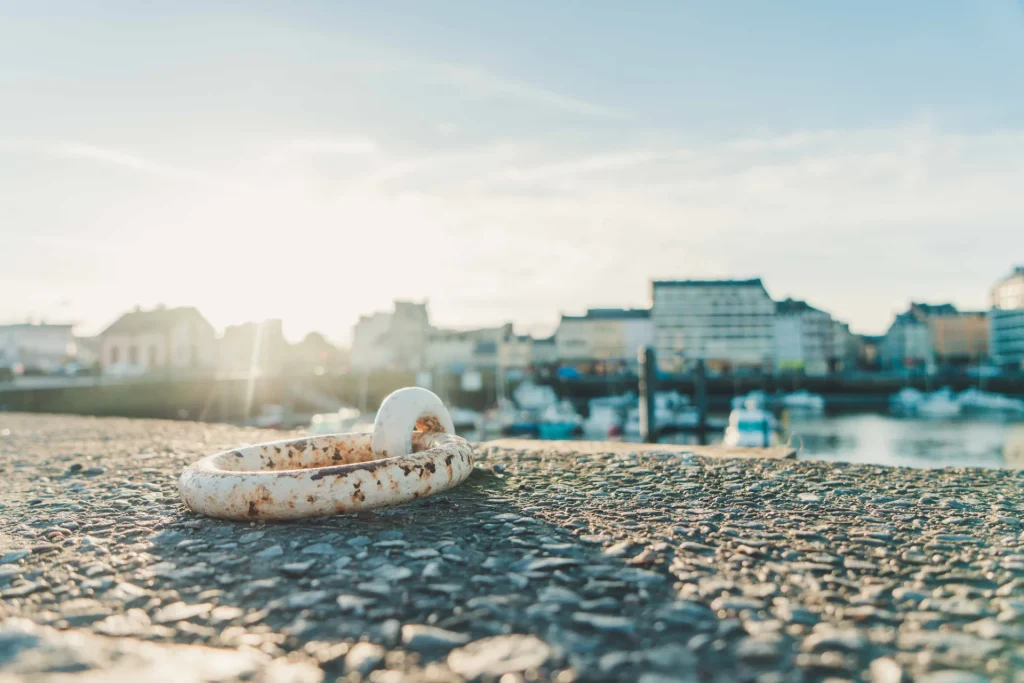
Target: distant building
x=395, y=340
x=804, y=338
x=1006, y=321
x=36, y=347
x=936, y=335
x=315, y=354
x=259, y=346
x=172, y=338
x=460, y=350
x=907, y=344
x=959, y=338
x=846, y=348
x=608, y=336
x=367, y=351
x=727, y=323
x=870, y=356
x=515, y=352
x=545, y=352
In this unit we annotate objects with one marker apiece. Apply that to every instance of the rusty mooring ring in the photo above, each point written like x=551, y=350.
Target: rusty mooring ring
x=338, y=473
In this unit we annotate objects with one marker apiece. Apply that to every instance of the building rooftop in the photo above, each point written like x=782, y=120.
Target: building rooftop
x=611, y=314
x=933, y=309
x=754, y=282
x=794, y=306
x=158, y=319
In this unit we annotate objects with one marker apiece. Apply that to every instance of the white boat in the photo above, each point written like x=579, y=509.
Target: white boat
x=530, y=396
x=906, y=401
x=751, y=427
x=974, y=401
x=607, y=414
x=759, y=399
x=939, y=405
x=804, y=401
x=559, y=421
x=604, y=420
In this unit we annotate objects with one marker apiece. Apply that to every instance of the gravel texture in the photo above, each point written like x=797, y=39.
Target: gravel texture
x=546, y=564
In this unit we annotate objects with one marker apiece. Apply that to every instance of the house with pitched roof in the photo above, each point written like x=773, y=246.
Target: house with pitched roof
x=158, y=339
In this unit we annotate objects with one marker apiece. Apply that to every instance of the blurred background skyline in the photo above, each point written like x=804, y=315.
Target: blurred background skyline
x=505, y=161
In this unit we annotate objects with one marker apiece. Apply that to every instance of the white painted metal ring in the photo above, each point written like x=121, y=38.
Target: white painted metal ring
x=339, y=473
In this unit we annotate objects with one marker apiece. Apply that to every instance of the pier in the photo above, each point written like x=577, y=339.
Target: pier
x=555, y=561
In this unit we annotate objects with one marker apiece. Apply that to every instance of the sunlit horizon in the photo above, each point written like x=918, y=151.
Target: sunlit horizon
x=315, y=164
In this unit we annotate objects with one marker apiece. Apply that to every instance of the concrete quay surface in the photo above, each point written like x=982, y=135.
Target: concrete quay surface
x=553, y=561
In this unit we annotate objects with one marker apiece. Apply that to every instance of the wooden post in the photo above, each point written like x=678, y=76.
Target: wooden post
x=701, y=399
x=648, y=427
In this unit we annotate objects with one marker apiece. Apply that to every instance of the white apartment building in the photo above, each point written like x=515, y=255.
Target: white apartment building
x=804, y=338
x=41, y=347
x=604, y=334
x=1006, y=321
x=727, y=323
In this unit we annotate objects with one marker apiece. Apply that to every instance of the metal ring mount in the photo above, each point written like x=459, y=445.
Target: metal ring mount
x=340, y=473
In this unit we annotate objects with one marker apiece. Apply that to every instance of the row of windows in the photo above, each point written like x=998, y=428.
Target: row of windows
x=716, y=331
x=155, y=358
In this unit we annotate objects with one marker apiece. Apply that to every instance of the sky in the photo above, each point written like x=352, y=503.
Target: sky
x=506, y=160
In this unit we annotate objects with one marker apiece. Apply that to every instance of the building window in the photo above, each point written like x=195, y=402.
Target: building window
x=115, y=355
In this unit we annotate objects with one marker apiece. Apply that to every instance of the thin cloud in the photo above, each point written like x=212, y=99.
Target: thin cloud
x=357, y=146
x=115, y=157
x=589, y=164
x=482, y=81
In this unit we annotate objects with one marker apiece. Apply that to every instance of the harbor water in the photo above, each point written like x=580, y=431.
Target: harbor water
x=881, y=439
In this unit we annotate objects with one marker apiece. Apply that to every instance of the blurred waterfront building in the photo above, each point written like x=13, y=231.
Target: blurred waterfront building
x=604, y=339
x=252, y=346
x=545, y=352
x=315, y=354
x=515, y=353
x=395, y=340
x=730, y=324
x=804, y=338
x=929, y=336
x=1006, y=321
x=163, y=338
x=870, y=356
x=461, y=350
x=36, y=347
x=846, y=348
x=959, y=338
